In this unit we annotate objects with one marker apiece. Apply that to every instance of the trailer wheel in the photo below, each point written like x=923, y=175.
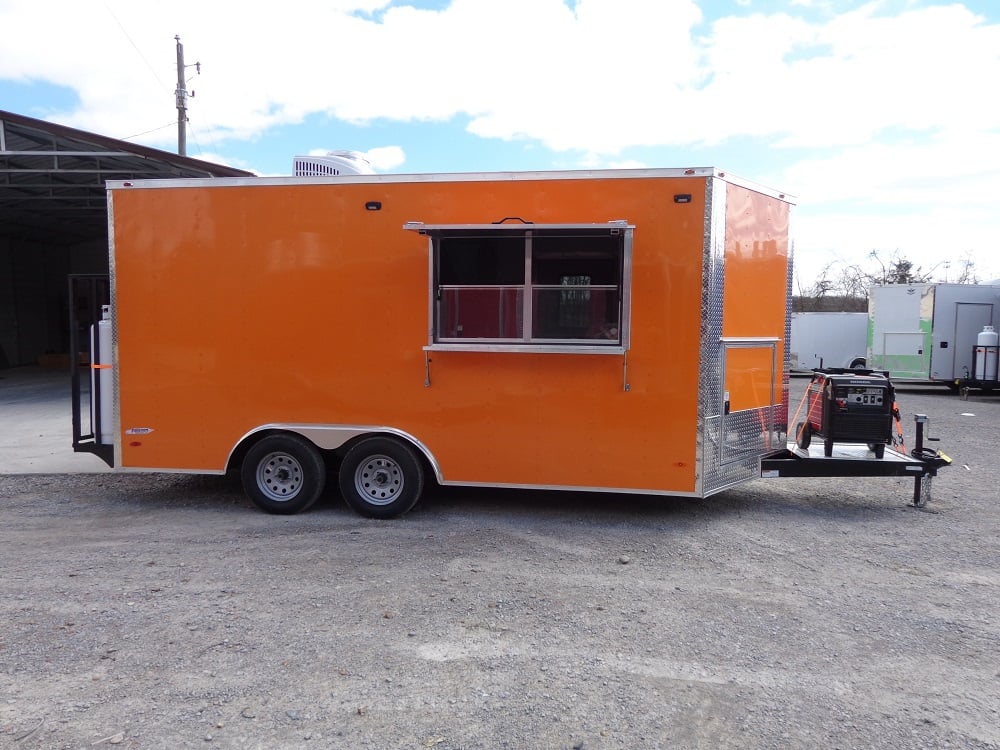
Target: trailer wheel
x=381, y=477
x=804, y=435
x=283, y=474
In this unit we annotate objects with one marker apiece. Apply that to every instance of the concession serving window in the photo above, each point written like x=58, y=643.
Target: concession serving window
x=529, y=287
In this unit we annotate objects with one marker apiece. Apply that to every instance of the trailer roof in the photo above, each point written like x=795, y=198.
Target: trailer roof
x=431, y=177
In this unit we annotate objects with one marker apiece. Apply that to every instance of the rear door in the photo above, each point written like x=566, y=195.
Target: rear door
x=970, y=317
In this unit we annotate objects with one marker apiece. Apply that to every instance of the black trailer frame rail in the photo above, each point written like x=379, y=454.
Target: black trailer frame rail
x=88, y=293
x=852, y=460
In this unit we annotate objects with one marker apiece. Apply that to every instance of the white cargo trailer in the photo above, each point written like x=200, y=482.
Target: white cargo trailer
x=828, y=339
x=928, y=332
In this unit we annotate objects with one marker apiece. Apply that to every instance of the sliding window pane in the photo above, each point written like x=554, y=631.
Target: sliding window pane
x=481, y=313
x=570, y=312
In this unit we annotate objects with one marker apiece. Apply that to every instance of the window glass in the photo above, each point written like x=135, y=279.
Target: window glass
x=556, y=257
x=551, y=286
x=481, y=313
x=481, y=260
x=576, y=313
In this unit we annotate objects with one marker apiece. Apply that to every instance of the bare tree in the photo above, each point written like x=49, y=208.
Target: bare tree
x=967, y=271
x=846, y=287
x=895, y=269
x=854, y=282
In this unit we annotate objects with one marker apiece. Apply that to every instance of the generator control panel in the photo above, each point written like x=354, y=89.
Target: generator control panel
x=855, y=394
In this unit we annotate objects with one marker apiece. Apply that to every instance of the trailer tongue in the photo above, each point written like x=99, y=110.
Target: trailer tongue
x=853, y=411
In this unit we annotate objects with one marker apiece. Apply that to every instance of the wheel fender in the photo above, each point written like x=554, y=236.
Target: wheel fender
x=331, y=437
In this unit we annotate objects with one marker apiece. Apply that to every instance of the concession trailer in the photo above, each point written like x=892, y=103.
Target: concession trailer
x=929, y=332
x=598, y=330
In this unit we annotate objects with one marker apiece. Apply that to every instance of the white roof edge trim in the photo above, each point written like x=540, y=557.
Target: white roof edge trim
x=382, y=179
x=757, y=188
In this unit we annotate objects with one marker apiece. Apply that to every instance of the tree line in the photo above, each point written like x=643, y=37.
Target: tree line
x=844, y=288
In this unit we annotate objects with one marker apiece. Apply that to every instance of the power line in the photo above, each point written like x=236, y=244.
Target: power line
x=211, y=139
x=136, y=47
x=147, y=132
x=150, y=67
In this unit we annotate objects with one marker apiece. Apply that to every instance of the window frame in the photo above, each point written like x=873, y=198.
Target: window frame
x=528, y=289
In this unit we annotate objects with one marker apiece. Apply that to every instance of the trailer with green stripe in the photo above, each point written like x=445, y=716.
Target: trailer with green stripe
x=927, y=332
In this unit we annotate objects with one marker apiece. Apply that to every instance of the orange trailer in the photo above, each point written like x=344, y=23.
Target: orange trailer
x=619, y=330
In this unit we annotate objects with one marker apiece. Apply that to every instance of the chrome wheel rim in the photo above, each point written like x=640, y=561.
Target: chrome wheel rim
x=279, y=476
x=379, y=480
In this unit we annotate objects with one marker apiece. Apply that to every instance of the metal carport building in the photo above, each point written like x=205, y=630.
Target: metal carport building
x=54, y=222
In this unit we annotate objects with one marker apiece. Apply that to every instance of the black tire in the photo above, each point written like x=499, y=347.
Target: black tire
x=878, y=448
x=803, y=435
x=859, y=363
x=381, y=477
x=283, y=474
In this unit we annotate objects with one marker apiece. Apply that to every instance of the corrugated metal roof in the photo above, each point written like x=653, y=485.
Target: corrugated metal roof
x=52, y=178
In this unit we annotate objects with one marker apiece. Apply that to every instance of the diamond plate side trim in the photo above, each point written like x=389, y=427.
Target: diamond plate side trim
x=710, y=395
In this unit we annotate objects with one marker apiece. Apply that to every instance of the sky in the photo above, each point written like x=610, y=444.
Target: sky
x=882, y=117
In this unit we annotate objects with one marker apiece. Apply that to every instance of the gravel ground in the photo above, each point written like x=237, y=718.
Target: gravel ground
x=164, y=611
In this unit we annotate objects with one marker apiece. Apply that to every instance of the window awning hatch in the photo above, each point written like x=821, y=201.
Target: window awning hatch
x=519, y=228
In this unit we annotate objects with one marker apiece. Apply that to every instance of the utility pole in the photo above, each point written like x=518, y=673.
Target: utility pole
x=181, y=96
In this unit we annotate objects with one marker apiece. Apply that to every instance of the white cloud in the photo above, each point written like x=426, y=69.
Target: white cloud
x=932, y=200
x=386, y=158
x=604, y=76
x=882, y=121
x=953, y=168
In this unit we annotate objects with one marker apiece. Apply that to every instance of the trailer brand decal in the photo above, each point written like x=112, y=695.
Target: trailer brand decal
x=138, y=430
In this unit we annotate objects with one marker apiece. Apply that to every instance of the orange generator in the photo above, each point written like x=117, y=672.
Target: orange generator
x=619, y=330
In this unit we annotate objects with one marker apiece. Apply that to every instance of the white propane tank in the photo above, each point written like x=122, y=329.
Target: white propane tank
x=986, y=353
x=101, y=382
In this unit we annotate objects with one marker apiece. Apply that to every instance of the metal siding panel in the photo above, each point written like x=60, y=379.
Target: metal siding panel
x=710, y=395
x=783, y=417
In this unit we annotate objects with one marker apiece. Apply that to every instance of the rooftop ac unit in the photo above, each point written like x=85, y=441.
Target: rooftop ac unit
x=332, y=164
